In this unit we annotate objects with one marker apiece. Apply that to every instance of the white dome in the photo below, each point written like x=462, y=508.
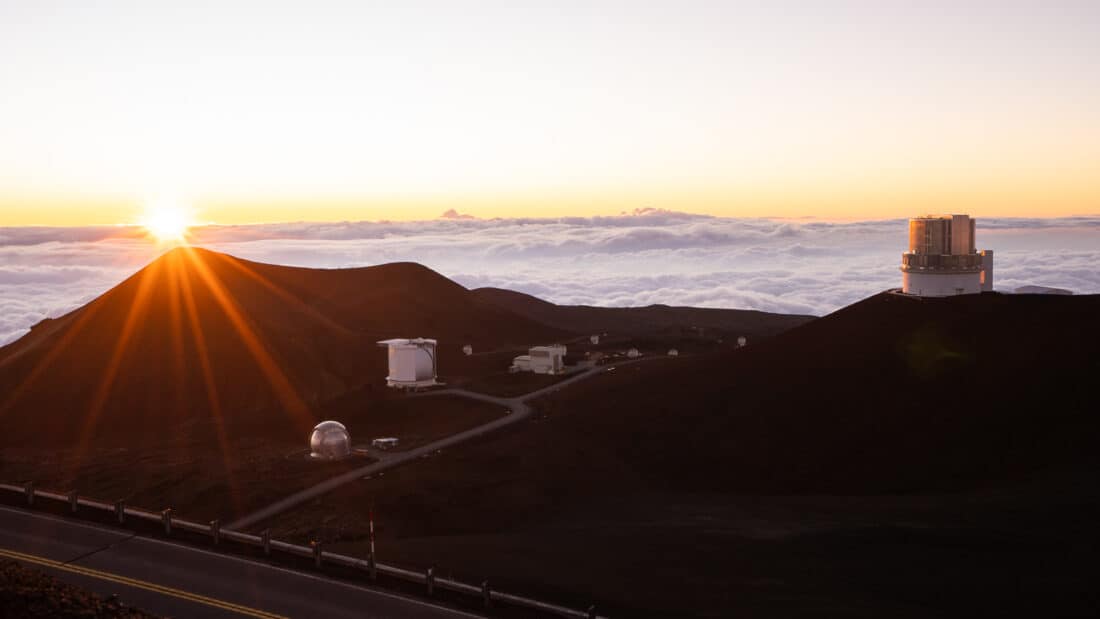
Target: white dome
x=330, y=440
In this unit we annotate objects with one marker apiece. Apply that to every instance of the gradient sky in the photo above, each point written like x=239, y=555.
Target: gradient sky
x=269, y=111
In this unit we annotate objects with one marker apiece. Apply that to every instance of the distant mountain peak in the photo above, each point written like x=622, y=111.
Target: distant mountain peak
x=453, y=214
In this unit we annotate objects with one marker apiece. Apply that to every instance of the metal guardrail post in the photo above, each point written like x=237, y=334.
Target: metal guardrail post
x=265, y=540
x=316, y=552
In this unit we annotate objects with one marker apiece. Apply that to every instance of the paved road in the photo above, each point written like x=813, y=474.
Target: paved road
x=519, y=411
x=175, y=580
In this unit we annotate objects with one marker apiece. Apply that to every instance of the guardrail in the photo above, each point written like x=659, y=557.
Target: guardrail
x=314, y=552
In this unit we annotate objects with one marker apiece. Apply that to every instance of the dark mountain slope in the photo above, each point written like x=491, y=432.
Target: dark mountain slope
x=900, y=457
x=649, y=320
x=889, y=394
x=199, y=335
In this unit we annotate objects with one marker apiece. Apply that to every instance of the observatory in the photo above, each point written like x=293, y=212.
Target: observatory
x=467, y=350
x=411, y=362
x=633, y=353
x=541, y=360
x=595, y=339
x=942, y=260
x=672, y=352
x=330, y=441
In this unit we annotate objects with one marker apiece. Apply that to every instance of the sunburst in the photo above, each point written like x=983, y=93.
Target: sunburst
x=167, y=222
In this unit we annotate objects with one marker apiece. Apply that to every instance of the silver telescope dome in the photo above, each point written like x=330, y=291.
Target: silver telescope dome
x=330, y=440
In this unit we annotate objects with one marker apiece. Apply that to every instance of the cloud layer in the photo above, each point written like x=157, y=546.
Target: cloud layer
x=792, y=266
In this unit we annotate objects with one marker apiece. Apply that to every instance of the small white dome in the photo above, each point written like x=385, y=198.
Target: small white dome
x=330, y=440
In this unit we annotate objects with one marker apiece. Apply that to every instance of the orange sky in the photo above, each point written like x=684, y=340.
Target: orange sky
x=246, y=112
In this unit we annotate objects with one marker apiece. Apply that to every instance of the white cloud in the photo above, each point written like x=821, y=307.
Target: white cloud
x=650, y=256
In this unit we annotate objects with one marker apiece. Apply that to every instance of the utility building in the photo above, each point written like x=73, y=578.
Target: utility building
x=942, y=260
x=541, y=360
x=411, y=362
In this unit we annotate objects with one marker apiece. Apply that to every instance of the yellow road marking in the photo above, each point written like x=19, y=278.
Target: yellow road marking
x=148, y=586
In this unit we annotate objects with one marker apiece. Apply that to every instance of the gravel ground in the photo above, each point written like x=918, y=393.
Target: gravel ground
x=27, y=592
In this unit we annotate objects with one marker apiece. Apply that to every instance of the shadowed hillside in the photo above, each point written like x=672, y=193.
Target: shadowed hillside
x=198, y=335
x=649, y=320
x=839, y=468
x=889, y=394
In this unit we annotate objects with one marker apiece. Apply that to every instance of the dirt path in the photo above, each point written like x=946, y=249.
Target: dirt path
x=518, y=411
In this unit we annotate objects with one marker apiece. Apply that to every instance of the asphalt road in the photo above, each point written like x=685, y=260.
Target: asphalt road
x=179, y=581
x=519, y=411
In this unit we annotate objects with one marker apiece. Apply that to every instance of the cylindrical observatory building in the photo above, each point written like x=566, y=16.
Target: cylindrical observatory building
x=942, y=260
x=412, y=362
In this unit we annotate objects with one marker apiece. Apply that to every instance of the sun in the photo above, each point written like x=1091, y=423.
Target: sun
x=167, y=222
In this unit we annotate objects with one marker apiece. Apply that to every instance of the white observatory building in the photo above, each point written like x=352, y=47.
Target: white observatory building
x=541, y=360
x=330, y=441
x=411, y=362
x=942, y=260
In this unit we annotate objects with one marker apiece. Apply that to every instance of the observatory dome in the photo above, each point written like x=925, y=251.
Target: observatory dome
x=330, y=440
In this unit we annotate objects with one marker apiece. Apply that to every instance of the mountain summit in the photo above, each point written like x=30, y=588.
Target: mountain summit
x=200, y=334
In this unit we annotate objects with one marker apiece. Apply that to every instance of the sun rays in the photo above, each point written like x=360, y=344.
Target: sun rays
x=208, y=340
x=276, y=378
x=209, y=384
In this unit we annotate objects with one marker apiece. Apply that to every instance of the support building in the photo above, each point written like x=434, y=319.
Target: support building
x=541, y=360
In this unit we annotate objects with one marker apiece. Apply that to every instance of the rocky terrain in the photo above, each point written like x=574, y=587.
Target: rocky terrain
x=29, y=593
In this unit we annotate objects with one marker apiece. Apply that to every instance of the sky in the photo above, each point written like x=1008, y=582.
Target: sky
x=790, y=266
x=253, y=112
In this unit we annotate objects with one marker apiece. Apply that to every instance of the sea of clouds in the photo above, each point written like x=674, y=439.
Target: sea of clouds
x=790, y=266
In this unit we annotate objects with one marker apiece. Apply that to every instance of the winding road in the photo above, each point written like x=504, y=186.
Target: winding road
x=518, y=411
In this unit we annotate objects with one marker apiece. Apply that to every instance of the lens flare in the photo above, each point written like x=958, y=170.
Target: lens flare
x=166, y=222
